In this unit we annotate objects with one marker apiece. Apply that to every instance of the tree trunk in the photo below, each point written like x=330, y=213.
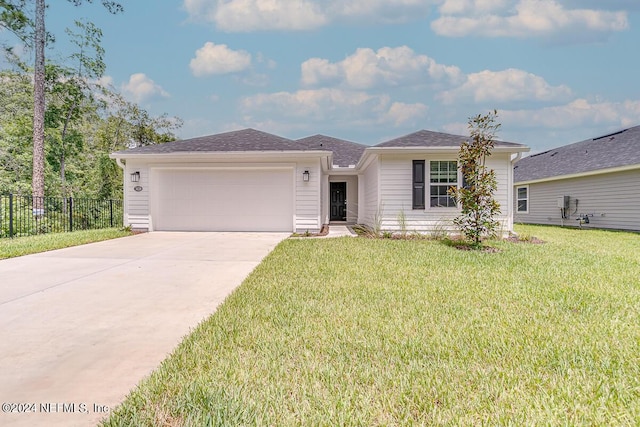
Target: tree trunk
x=63, y=178
x=37, y=181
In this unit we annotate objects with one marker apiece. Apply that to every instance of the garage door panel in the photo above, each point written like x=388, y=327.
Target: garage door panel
x=223, y=200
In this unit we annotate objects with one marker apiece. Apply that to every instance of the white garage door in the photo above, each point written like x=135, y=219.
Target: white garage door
x=223, y=200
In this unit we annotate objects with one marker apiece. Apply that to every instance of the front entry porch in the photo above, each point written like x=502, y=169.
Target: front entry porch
x=340, y=199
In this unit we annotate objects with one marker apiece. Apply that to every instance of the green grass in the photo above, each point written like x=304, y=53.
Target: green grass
x=19, y=246
x=388, y=332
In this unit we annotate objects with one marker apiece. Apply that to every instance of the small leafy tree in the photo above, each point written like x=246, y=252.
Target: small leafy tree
x=479, y=208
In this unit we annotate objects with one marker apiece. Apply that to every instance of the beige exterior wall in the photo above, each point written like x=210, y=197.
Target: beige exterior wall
x=611, y=200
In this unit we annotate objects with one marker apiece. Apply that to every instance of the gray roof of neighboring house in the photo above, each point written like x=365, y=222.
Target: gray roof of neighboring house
x=617, y=149
x=427, y=138
x=240, y=140
x=345, y=153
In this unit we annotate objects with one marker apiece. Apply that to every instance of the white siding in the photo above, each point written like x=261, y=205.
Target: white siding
x=612, y=198
x=396, y=194
x=503, y=168
x=307, y=203
x=324, y=200
x=368, y=199
x=137, y=204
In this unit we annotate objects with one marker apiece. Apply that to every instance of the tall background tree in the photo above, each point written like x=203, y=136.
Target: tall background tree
x=71, y=94
x=16, y=107
x=37, y=183
x=83, y=121
x=478, y=206
x=14, y=19
x=40, y=38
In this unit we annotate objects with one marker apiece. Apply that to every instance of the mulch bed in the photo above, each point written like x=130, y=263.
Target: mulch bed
x=323, y=232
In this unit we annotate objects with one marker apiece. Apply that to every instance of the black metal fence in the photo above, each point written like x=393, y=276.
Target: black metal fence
x=22, y=215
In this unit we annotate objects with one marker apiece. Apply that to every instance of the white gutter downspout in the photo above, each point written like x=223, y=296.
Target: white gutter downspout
x=512, y=190
x=518, y=157
x=125, y=215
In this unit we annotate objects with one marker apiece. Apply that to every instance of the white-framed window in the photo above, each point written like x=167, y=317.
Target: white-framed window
x=522, y=199
x=443, y=174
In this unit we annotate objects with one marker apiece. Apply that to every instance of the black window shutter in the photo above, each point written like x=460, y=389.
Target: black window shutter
x=418, y=184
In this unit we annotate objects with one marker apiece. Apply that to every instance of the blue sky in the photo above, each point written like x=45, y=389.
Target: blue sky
x=557, y=71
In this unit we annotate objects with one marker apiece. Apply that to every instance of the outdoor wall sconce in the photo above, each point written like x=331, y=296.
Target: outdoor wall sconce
x=135, y=177
x=305, y=176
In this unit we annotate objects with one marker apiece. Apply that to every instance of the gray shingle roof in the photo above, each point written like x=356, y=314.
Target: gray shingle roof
x=609, y=151
x=345, y=153
x=426, y=138
x=240, y=140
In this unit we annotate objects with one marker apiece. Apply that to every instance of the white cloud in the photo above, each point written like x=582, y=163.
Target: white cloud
x=317, y=71
x=105, y=81
x=255, y=15
x=575, y=114
x=352, y=108
x=400, y=113
x=504, y=86
x=252, y=15
x=491, y=18
x=379, y=11
x=527, y=18
x=141, y=88
x=456, y=7
x=457, y=128
x=387, y=66
x=218, y=59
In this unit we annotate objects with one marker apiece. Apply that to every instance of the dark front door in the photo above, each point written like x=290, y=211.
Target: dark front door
x=338, y=196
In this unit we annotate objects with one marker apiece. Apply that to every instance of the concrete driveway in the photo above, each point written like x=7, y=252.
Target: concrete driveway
x=80, y=327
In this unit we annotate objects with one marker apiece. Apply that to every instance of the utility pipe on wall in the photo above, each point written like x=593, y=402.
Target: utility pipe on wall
x=125, y=214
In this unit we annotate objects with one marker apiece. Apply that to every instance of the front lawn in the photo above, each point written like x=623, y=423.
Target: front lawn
x=387, y=332
x=27, y=245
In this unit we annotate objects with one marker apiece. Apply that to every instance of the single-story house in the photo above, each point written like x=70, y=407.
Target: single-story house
x=592, y=183
x=250, y=180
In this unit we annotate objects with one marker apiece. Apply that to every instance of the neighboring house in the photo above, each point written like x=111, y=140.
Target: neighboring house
x=250, y=180
x=596, y=180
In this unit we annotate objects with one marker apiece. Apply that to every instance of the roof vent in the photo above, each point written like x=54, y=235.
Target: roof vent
x=611, y=135
x=539, y=154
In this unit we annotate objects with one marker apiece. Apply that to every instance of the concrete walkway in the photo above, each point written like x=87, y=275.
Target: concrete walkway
x=80, y=327
x=339, y=231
